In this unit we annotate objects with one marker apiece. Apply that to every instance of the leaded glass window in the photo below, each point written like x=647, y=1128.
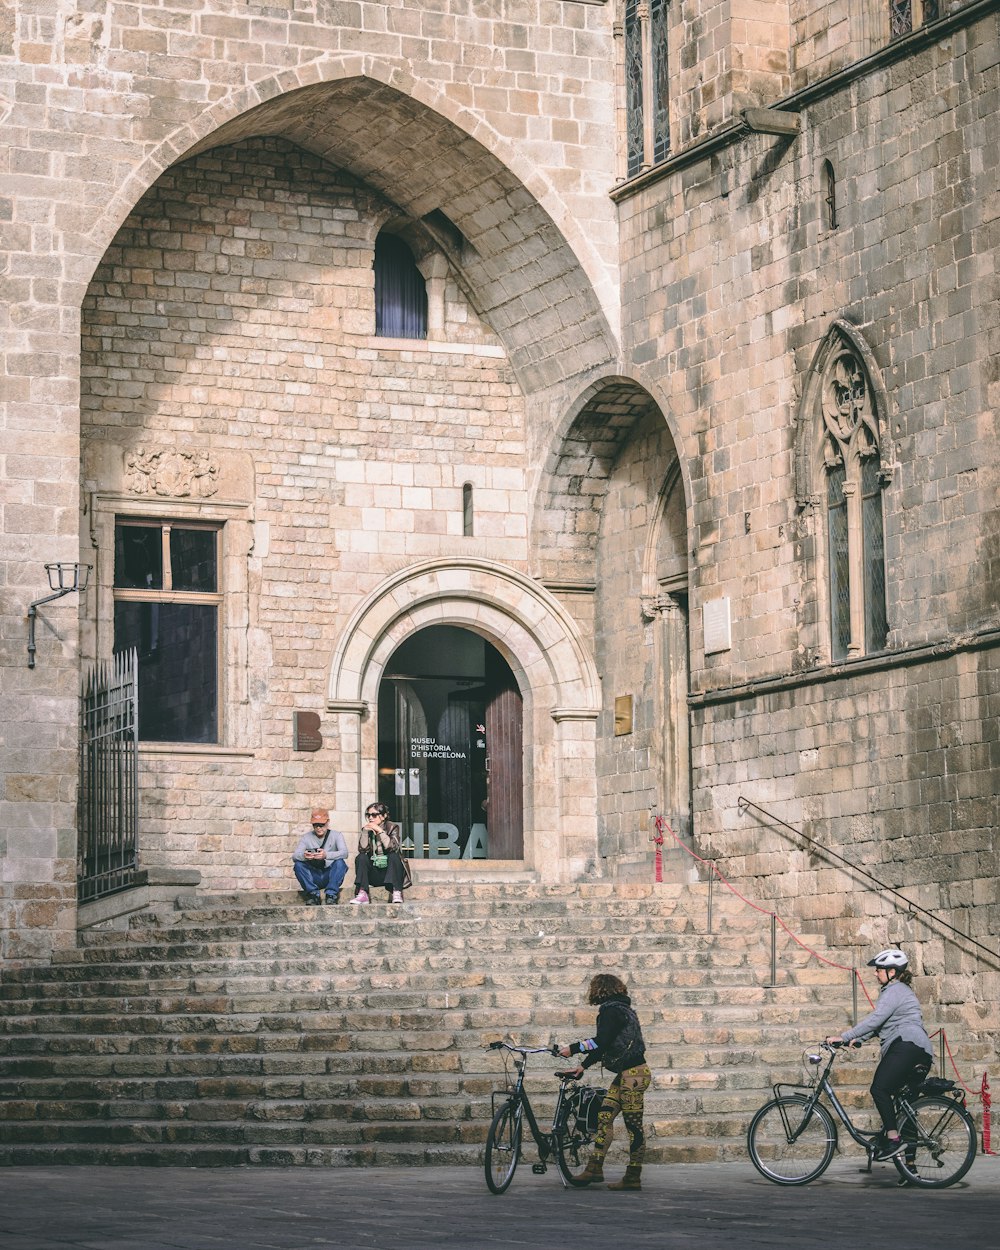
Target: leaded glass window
x=647, y=83
x=900, y=18
x=635, y=124
x=661, y=80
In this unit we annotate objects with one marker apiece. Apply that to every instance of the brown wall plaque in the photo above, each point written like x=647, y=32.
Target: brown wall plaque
x=306, y=735
x=623, y=714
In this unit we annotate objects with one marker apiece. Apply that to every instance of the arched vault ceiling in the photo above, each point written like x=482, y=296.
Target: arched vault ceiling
x=519, y=269
x=575, y=479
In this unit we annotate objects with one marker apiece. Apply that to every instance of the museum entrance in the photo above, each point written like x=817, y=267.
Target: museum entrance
x=450, y=747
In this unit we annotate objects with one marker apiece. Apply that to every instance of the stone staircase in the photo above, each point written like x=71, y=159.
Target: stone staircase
x=279, y=1034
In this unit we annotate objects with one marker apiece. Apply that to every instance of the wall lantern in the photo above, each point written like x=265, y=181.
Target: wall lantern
x=63, y=580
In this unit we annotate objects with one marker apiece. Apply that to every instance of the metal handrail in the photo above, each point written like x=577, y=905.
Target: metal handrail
x=745, y=804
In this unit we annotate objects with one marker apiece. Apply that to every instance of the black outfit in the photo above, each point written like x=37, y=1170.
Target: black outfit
x=394, y=876
x=904, y=1063
x=617, y=1044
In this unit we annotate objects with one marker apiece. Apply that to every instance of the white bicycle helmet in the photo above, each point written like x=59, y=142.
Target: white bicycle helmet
x=891, y=958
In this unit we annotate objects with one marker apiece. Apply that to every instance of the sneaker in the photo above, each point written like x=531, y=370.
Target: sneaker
x=887, y=1148
x=397, y=897
x=333, y=899
x=314, y=900
x=360, y=897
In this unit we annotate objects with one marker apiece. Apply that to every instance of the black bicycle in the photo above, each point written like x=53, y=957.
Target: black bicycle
x=570, y=1141
x=793, y=1138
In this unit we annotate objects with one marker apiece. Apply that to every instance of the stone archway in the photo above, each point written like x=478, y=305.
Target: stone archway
x=554, y=671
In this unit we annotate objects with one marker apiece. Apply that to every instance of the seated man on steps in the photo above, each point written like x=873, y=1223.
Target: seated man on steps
x=320, y=860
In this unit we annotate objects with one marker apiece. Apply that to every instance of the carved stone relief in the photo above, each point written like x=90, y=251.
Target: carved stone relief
x=177, y=474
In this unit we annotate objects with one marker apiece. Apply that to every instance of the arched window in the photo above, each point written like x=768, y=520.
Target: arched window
x=829, y=206
x=853, y=497
x=400, y=294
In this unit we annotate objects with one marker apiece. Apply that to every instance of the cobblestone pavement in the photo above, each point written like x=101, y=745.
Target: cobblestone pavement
x=703, y=1207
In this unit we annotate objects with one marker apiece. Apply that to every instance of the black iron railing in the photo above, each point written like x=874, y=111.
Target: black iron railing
x=107, y=849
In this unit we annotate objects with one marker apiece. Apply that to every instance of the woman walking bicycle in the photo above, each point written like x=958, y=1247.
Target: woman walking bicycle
x=618, y=1045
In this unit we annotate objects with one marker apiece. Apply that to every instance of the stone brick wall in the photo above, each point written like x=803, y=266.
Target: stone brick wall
x=234, y=313
x=895, y=766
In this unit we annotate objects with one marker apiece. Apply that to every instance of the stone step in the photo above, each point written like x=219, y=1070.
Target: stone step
x=698, y=1149
x=286, y=1035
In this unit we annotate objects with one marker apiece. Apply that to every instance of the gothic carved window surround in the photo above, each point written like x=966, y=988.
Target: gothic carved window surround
x=840, y=475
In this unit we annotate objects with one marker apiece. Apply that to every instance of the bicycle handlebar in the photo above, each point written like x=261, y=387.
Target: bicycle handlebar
x=523, y=1050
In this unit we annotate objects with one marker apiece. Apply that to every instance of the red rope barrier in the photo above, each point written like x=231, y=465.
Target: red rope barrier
x=711, y=866
x=986, y=1099
x=658, y=839
x=984, y=1093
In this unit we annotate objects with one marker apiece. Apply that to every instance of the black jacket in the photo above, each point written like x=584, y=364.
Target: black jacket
x=618, y=1043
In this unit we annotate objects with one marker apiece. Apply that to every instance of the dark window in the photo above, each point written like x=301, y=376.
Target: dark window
x=167, y=607
x=400, y=293
x=829, y=196
x=876, y=623
x=468, y=518
x=840, y=582
x=900, y=17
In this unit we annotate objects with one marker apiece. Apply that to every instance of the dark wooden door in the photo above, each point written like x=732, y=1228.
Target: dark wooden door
x=504, y=747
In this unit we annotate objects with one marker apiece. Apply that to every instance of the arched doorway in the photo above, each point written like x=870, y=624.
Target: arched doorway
x=450, y=736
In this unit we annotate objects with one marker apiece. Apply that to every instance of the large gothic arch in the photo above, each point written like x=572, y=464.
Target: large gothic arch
x=506, y=230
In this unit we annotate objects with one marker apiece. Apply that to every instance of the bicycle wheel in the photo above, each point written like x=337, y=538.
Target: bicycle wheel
x=503, y=1147
x=940, y=1143
x=574, y=1146
x=804, y=1157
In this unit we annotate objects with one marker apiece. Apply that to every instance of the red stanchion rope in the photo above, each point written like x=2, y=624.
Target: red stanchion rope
x=986, y=1099
x=658, y=840
x=661, y=824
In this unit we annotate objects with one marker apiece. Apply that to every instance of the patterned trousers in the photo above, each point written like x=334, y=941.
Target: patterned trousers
x=627, y=1095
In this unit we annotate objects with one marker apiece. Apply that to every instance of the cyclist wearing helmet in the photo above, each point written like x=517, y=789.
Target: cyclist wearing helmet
x=906, y=1048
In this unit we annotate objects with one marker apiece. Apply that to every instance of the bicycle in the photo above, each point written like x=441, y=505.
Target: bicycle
x=569, y=1141
x=793, y=1138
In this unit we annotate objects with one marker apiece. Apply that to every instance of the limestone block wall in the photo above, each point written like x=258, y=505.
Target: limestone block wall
x=629, y=763
x=485, y=113
x=737, y=275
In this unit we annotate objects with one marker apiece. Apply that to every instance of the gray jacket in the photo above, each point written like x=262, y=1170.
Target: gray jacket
x=334, y=847
x=896, y=1015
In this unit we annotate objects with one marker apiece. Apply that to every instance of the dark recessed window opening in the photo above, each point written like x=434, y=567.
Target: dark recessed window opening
x=167, y=604
x=467, y=513
x=400, y=293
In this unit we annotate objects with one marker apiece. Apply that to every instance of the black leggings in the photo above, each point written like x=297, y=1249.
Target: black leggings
x=366, y=874
x=902, y=1063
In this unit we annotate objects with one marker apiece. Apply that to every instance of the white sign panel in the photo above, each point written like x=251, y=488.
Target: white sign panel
x=718, y=625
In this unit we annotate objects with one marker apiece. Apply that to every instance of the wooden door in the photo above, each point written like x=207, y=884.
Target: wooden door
x=504, y=746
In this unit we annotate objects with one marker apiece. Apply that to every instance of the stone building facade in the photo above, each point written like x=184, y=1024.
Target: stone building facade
x=697, y=437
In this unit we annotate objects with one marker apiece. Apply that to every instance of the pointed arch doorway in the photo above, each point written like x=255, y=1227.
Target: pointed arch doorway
x=450, y=747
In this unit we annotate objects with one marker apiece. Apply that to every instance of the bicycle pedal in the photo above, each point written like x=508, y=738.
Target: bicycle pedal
x=539, y=1169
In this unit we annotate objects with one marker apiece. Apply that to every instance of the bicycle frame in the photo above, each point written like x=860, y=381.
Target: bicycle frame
x=864, y=1138
x=816, y=1092
x=518, y=1098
